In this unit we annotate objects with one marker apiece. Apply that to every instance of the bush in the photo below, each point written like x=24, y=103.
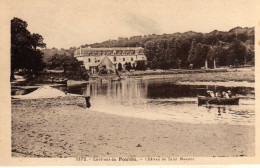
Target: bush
x=140, y=65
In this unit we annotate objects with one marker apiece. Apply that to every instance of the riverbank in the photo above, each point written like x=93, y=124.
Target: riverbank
x=226, y=84
x=219, y=75
x=199, y=75
x=62, y=127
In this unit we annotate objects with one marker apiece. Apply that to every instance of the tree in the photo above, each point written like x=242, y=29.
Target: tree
x=128, y=66
x=133, y=66
x=37, y=41
x=219, y=54
x=64, y=61
x=237, y=51
x=71, y=66
x=182, y=52
x=19, y=43
x=192, y=52
x=250, y=55
x=140, y=65
x=154, y=64
x=24, y=52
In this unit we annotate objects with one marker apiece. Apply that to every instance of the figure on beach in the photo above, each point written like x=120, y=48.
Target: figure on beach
x=87, y=98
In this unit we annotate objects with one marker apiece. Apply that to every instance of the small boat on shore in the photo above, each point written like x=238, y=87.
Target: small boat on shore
x=116, y=79
x=104, y=81
x=138, y=77
x=217, y=100
x=60, y=81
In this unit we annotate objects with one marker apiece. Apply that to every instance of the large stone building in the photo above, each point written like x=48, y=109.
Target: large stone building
x=92, y=57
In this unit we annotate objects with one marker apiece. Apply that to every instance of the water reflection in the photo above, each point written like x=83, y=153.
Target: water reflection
x=162, y=99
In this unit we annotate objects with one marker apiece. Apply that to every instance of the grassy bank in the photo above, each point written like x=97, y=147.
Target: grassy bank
x=221, y=75
x=218, y=77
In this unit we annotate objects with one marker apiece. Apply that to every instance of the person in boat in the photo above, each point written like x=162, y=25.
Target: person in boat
x=225, y=95
x=218, y=94
x=212, y=94
x=208, y=93
x=229, y=94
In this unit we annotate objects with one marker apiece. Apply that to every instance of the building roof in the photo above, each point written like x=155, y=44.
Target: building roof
x=105, y=58
x=108, y=51
x=113, y=48
x=95, y=64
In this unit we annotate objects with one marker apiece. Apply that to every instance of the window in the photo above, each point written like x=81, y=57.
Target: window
x=89, y=60
x=132, y=59
x=114, y=58
x=123, y=59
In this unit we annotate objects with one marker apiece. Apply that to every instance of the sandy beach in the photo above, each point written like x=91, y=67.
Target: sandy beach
x=63, y=127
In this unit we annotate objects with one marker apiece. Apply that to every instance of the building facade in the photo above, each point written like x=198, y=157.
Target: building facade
x=94, y=56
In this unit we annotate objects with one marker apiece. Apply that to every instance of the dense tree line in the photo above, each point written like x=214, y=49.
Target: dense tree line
x=72, y=68
x=179, y=50
x=25, y=49
x=28, y=55
x=49, y=53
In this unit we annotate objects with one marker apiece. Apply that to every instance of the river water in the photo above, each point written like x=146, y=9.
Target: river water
x=163, y=99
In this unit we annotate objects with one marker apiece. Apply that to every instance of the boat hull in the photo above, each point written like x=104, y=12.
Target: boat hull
x=218, y=101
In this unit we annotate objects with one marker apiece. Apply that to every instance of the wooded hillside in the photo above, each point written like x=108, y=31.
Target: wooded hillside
x=179, y=50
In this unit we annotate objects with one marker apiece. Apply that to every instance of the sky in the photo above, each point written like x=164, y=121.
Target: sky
x=69, y=23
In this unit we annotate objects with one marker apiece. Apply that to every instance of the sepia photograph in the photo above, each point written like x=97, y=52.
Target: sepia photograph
x=130, y=82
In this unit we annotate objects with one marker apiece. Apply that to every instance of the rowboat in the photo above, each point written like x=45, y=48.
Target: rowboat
x=217, y=100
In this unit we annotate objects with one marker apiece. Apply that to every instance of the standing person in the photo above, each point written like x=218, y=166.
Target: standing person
x=87, y=97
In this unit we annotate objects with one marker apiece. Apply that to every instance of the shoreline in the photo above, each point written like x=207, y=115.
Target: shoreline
x=197, y=76
x=64, y=128
x=219, y=83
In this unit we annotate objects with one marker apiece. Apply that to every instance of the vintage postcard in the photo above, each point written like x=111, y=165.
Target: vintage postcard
x=137, y=82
